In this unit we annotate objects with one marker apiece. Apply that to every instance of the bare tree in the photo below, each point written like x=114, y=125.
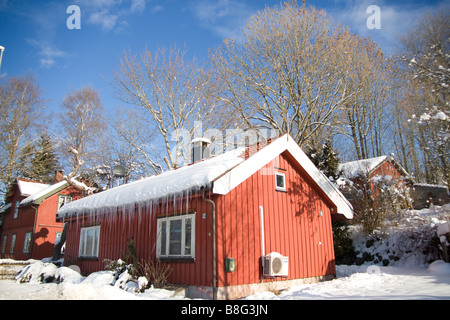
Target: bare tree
x=82, y=126
x=136, y=133
x=286, y=73
x=177, y=95
x=424, y=59
x=20, y=107
x=366, y=114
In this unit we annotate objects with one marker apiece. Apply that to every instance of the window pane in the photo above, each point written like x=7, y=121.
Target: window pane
x=163, y=238
x=89, y=242
x=27, y=243
x=187, y=236
x=5, y=237
x=96, y=240
x=280, y=181
x=175, y=237
x=82, y=241
x=13, y=242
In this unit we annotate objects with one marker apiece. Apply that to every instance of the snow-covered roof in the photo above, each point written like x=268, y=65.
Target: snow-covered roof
x=357, y=168
x=5, y=207
x=188, y=177
x=27, y=188
x=45, y=192
x=353, y=169
x=223, y=173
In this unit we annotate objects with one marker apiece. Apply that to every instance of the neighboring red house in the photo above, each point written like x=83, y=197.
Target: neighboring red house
x=378, y=166
x=29, y=227
x=385, y=167
x=217, y=222
x=375, y=184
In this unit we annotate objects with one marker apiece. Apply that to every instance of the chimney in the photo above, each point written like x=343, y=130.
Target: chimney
x=200, y=149
x=58, y=176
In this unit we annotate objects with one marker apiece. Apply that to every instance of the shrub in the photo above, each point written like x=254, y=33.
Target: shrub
x=155, y=272
x=344, y=251
x=376, y=199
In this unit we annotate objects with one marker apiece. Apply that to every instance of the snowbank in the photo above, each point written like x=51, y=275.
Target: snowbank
x=439, y=267
x=67, y=283
x=412, y=241
x=353, y=282
x=410, y=278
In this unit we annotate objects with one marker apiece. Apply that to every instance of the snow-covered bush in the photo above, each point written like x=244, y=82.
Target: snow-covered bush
x=67, y=275
x=376, y=199
x=135, y=275
x=148, y=273
x=156, y=273
x=410, y=241
x=37, y=272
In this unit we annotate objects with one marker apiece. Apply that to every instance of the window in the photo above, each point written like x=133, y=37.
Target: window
x=280, y=181
x=63, y=199
x=58, y=239
x=176, y=237
x=89, y=242
x=16, y=210
x=27, y=242
x=5, y=237
x=13, y=243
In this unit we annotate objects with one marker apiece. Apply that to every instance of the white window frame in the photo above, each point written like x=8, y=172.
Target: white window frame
x=94, y=246
x=279, y=188
x=64, y=199
x=27, y=242
x=166, y=221
x=57, y=239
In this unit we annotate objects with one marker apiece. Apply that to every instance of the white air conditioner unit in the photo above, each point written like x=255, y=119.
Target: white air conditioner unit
x=275, y=265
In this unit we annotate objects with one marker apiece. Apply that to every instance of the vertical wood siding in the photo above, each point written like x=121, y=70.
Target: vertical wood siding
x=293, y=226
x=38, y=219
x=116, y=228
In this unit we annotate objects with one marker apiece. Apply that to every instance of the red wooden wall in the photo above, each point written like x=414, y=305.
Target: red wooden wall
x=46, y=225
x=20, y=226
x=292, y=221
x=118, y=228
x=43, y=225
x=293, y=226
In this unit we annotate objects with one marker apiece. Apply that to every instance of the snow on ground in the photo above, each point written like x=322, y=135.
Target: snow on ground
x=408, y=277
x=374, y=283
x=352, y=283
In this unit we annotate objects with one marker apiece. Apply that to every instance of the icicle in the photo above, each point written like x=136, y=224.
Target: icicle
x=139, y=208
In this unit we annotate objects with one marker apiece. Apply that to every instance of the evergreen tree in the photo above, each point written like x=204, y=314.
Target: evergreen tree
x=43, y=162
x=325, y=160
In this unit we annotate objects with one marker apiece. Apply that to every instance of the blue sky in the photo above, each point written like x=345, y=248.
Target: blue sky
x=38, y=41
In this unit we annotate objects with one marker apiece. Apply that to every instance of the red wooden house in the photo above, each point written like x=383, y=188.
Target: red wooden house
x=378, y=166
x=29, y=227
x=228, y=226
x=384, y=167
